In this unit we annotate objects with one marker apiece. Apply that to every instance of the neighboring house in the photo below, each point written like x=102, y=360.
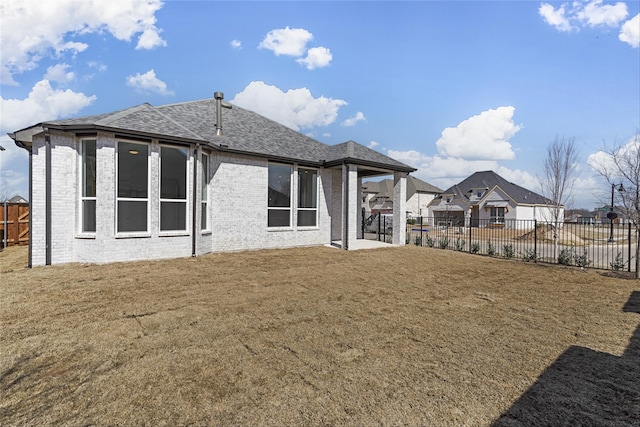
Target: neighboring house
x=17, y=199
x=378, y=196
x=487, y=199
x=161, y=182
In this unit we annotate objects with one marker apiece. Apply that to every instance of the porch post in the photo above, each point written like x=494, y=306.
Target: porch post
x=349, y=205
x=399, y=208
x=359, y=210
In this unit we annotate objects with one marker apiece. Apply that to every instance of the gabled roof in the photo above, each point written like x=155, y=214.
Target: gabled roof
x=384, y=188
x=489, y=180
x=244, y=132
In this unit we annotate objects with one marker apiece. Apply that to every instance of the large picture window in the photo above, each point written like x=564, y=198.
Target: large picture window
x=279, y=211
x=88, y=202
x=133, y=187
x=173, y=189
x=307, y=197
x=204, y=224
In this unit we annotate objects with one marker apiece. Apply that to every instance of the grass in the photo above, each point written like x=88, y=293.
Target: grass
x=317, y=336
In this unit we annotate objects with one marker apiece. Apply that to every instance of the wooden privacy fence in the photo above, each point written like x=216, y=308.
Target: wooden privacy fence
x=14, y=224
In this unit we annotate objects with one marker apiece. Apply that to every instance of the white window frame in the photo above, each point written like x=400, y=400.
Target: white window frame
x=185, y=201
x=82, y=186
x=298, y=208
x=119, y=199
x=495, y=217
x=289, y=208
x=205, y=225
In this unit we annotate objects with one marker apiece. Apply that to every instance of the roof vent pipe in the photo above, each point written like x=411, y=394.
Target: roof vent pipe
x=220, y=104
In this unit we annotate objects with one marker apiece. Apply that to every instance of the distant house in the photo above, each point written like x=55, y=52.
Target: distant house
x=177, y=180
x=378, y=196
x=487, y=199
x=17, y=199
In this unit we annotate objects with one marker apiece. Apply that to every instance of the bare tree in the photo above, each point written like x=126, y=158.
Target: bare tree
x=556, y=184
x=620, y=164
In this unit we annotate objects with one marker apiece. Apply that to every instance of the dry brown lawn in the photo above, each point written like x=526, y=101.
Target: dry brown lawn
x=318, y=336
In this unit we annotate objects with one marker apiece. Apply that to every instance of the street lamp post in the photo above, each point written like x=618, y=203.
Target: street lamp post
x=612, y=215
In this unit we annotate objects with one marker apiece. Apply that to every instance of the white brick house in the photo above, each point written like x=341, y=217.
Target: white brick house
x=163, y=182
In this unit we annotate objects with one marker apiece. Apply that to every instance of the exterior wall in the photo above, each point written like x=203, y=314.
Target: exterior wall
x=37, y=202
x=239, y=207
x=335, y=207
x=417, y=205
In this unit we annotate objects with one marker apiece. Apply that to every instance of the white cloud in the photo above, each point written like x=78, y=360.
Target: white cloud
x=150, y=39
x=33, y=29
x=630, y=31
x=295, y=108
x=373, y=145
x=58, y=73
x=609, y=15
x=287, y=41
x=317, y=57
x=482, y=137
x=555, y=17
x=602, y=161
x=351, y=121
x=578, y=14
x=43, y=103
x=236, y=44
x=148, y=82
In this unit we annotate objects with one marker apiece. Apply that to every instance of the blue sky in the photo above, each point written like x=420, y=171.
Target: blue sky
x=447, y=87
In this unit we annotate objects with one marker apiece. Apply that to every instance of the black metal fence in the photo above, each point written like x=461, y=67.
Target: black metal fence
x=603, y=246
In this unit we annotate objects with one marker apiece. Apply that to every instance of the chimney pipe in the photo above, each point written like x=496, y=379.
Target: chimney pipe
x=220, y=104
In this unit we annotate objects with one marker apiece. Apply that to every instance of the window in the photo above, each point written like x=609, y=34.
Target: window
x=205, y=192
x=497, y=216
x=279, y=211
x=173, y=189
x=307, y=197
x=88, y=197
x=133, y=187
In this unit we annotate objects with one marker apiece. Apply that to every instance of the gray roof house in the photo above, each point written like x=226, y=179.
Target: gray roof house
x=191, y=178
x=487, y=199
x=378, y=196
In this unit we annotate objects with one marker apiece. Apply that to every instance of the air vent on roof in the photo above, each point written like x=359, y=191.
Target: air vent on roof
x=220, y=104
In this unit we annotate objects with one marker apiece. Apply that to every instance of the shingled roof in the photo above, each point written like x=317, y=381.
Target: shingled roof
x=244, y=132
x=490, y=179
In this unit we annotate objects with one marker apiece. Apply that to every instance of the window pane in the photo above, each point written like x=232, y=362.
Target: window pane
x=205, y=176
x=89, y=168
x=278, y=218
x=132, y=216
x=307, y=188
x=173, y=216
x=203, y=221
x=306, y=218
x=279, y=186
x=89, y=215
x=132, y=170
x=173, y=166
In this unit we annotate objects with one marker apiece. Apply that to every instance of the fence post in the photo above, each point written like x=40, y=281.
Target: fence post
x=535, y=240
x=470, y=222
x=629, y=249
x=421, y=231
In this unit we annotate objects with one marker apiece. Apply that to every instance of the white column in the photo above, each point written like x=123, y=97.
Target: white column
x=349, y=205
x=399, y=208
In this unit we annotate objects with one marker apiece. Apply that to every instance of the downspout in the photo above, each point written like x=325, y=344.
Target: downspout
x=194, y=227
x=47, y=196
x=30, y=264
x=345, y=206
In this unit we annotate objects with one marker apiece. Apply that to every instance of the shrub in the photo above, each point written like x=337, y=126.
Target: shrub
x=582, y=260
x=411, y=221
x=529, y=255
x=429, y=241
x=460, y=244
x=444, y=243
x=474, y=248
x=618, y=263
x=418, y=241
x=491, y=249
x=507, y=251
x=565, y=257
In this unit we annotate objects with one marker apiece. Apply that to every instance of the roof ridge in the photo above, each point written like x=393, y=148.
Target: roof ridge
x=122, y=113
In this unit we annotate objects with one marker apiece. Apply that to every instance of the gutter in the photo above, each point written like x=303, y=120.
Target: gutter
x=47, y=197
x=194, y=208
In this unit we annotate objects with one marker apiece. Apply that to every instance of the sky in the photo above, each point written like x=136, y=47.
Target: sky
x=448, y=87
